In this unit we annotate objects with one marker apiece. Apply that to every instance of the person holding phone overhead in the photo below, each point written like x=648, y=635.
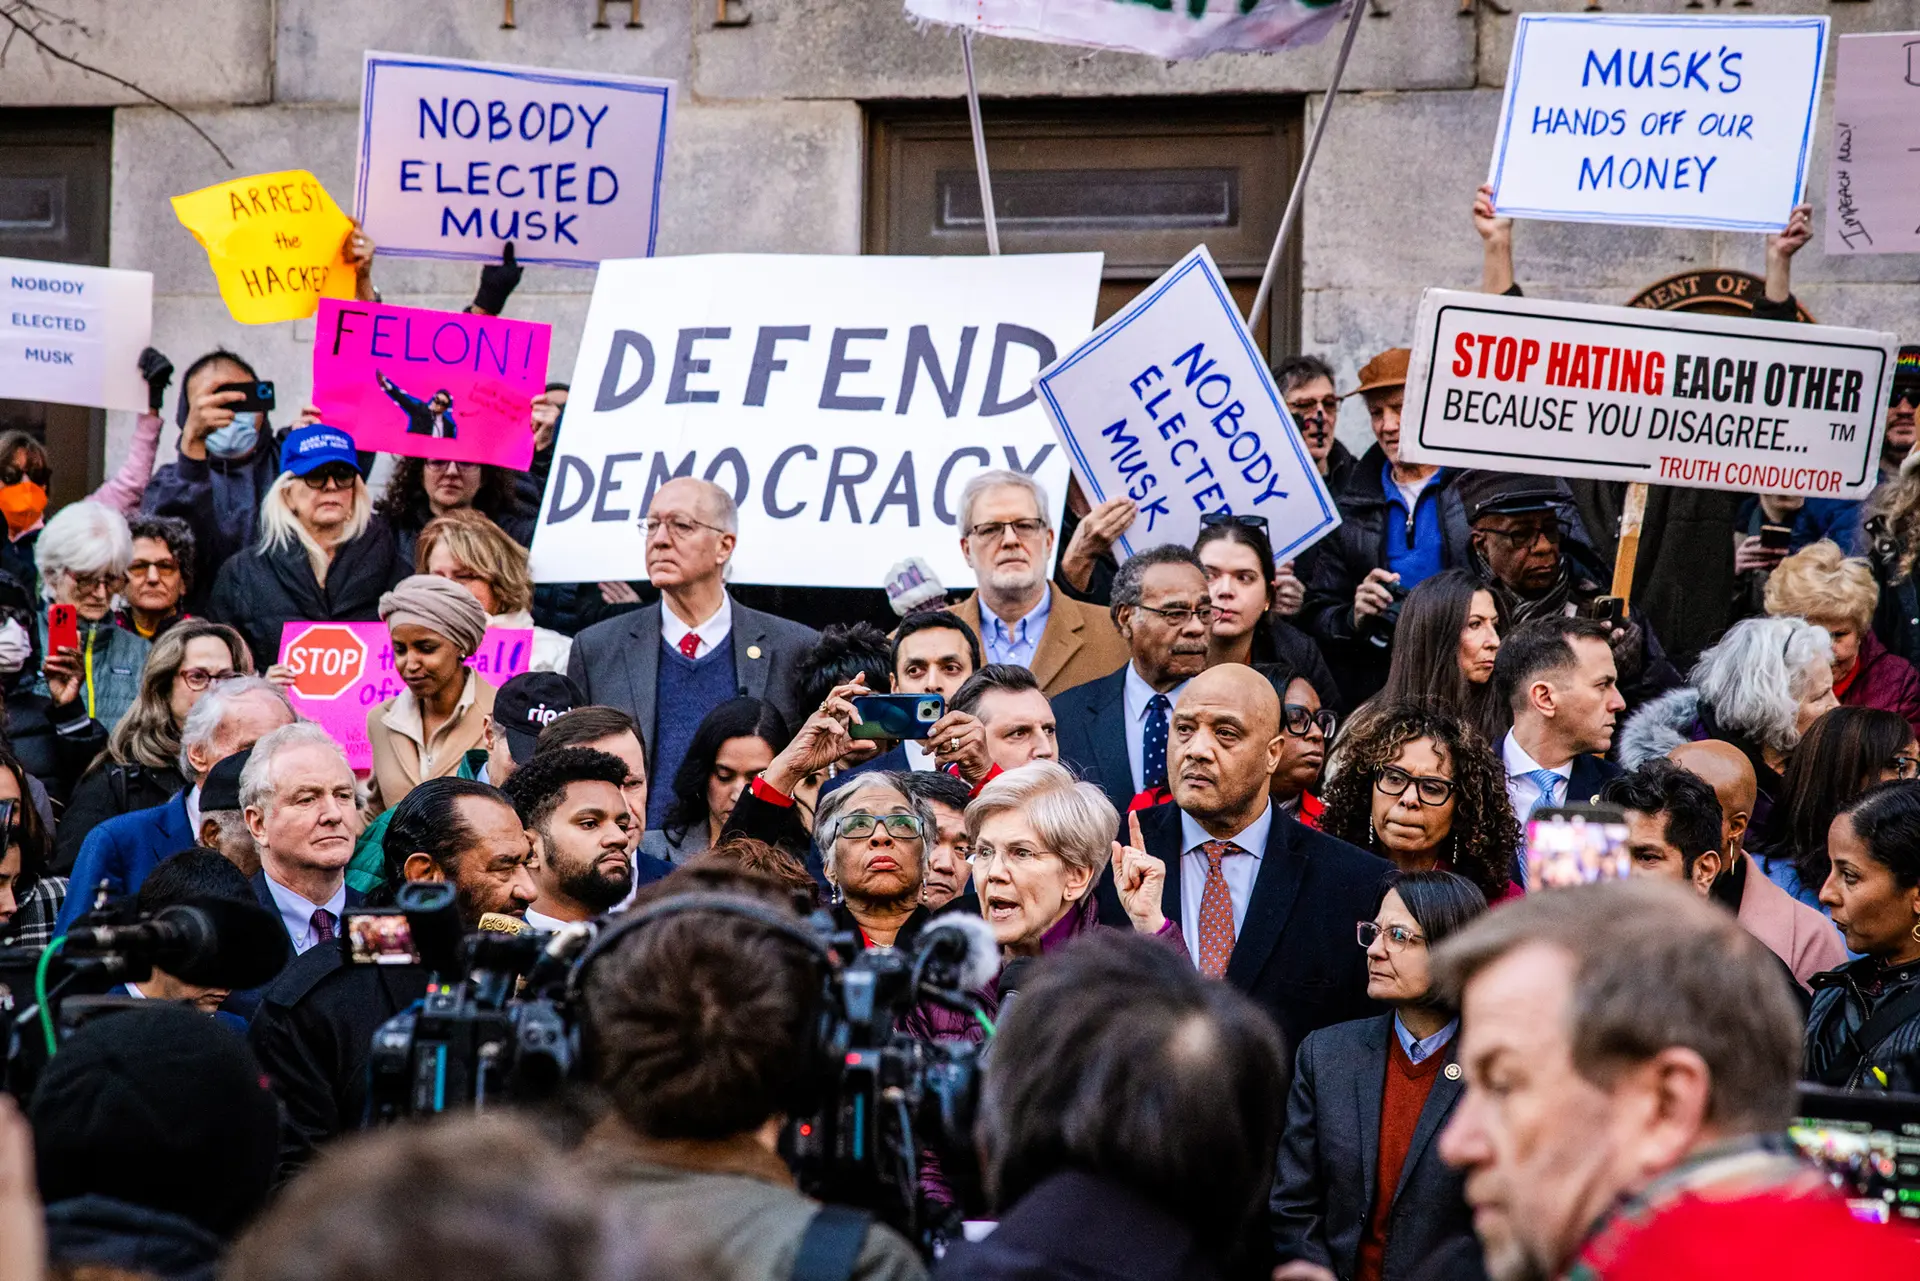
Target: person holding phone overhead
x=83, y=554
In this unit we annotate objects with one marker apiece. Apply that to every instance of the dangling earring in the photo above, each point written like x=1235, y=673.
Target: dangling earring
x=1916, y=931
x=834, y=895
x=1370, y=837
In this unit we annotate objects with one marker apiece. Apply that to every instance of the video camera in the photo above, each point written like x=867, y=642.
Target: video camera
x=509, y=1031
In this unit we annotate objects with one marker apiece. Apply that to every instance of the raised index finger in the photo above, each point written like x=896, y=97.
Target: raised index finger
x=1133, y=830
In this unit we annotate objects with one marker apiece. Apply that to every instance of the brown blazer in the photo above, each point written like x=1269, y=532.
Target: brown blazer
x=1079, y=645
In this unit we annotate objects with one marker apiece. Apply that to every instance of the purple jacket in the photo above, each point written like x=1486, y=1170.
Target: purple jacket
x=1884, y=680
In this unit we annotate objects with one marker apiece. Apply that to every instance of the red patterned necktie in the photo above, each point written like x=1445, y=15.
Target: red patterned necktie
x=322, y=925
x=1216, y=912
x=690, y=644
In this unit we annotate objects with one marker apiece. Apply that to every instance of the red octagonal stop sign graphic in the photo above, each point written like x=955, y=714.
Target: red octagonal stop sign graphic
x=326, y=660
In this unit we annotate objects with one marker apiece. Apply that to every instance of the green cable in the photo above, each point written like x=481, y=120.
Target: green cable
x=985, y=1022
x=40, y=992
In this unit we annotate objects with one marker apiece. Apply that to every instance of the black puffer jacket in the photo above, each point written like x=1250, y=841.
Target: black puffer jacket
x=261, y=591
x=1843, y=1000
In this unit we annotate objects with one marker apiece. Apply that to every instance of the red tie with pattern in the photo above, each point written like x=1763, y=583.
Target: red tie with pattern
x=322, y=925
x=1216, y=912
x=690, y=644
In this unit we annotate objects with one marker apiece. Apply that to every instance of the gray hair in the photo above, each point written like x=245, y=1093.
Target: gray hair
x=1072, y=817
x=203, y=722
x=834, y=805
x=1755, y=677
x=999, y=478
x=256, y=780
x=83, y=538
x=1132, y=577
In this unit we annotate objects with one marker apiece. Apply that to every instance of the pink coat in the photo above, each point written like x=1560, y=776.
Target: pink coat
x=1801, y=936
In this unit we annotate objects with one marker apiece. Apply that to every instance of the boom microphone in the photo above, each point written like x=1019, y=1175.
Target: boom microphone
x=208, y=942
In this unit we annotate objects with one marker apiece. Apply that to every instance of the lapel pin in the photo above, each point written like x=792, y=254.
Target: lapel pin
x=1453, y=1071
x=753, y=651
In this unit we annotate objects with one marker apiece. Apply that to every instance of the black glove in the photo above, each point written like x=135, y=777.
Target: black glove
x=497, y=281
x=158, y=371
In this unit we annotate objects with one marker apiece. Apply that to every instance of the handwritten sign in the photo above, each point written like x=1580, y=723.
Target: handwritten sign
x=73, y=335
x=1873, y=196
x=1171, y=404
x=844, y=402
x=430, y=384
x=1190, y=29
x=457, y=158
x=1659, y=121
x=343, y=670
x=275, y=241
x=1623, y=393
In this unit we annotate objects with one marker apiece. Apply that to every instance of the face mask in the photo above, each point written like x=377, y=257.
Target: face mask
x=236, y=439
x=23, y=505
x=15, y=647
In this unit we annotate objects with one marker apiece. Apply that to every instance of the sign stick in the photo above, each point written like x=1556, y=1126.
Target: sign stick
x=979, y=146
x=1632, y=517
x=1292, y=215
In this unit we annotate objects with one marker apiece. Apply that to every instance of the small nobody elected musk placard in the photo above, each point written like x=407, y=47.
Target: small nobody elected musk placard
x=457, y=158
x=1675, y=121
x=1170, y=404
x=1624, y=393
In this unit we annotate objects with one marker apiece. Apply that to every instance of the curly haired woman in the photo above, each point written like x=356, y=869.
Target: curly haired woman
x=1420, y=787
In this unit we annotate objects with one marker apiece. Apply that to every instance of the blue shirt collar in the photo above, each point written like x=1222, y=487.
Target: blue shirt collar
x=1024, y=630
x=1420, y=1051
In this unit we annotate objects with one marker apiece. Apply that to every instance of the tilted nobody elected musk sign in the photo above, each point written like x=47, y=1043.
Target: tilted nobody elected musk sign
x=843, y=402
x=1622, y=393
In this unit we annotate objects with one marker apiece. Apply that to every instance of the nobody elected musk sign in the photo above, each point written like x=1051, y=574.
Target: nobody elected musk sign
x=843, y=402
x=1621, y=393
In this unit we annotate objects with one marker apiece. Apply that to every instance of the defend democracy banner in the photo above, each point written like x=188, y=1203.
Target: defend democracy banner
x=275, y=241
x=1171, y=404
x=1658, y=121
x=73, y=335
x=1874, y=175
x=457, y=158
x=341, y=671
x=1187, y=29
x=1668, y=397
x=430, y=384
x=842, y=401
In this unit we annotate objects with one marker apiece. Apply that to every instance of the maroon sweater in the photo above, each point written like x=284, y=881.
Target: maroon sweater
x=1401, y=1102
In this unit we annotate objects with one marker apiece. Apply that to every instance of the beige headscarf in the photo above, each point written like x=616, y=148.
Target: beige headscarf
x=439, y=605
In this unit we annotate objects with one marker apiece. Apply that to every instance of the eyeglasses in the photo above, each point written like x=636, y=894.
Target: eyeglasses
x=982, y=856
x=1178, y=616
x=677, y=528
x=331, y=476
x=902, y=827
x=1399, y=937
x=88, y=584
x=1228, y=518
x=1394, y=781
x=14, y=475
x=992, y=531
x=198, y=678
x=1328, y=405
x=164, y=568
x=1300, y=719
x=1527, y=536
x=1905, y=766
x=450, y=464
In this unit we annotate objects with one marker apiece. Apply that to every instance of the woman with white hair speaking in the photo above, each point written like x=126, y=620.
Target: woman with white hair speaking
x=82, y=556
x=423, y=731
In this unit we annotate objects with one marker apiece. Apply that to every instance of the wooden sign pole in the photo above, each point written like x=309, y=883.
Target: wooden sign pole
x=1631, y=518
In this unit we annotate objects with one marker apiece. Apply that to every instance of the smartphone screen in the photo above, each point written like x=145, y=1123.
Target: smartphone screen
x=1577, y=844
x=897, y=715
x=1868, y=1146
x=63, y=628
x=377, y=936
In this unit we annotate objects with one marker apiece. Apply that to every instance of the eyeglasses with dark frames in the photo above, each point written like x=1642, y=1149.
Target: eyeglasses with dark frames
x=1298, y=719
x=901, y=827
x=1230, y=518
x=331, y=476
x=1394, y=781
x=1178, y=616
x=992, y=531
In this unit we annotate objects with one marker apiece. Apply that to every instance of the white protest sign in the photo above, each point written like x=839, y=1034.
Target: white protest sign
x=1170, y=404
x=73, y=335
x=1658, y=121
x=1189, y=29
x=843, y=401
x=1668, y=397
x=457, y=158
x=1873, y=198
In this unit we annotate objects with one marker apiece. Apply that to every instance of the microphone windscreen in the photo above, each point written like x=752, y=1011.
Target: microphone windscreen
x=249, y=946
x=501, y=923
x=982, y=951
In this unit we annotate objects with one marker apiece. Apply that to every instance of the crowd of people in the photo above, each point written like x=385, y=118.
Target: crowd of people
x=1249, y=837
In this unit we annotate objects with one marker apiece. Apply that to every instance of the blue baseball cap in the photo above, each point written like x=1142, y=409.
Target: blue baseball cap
x=307, y=448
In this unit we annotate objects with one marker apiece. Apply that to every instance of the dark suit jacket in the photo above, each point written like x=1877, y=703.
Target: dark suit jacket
x=1590, y=774
x=618, y=663
x=1091, y=732
x=1295, y=955
x=1326, y=1176
x=260, y=891
x=246, y=1003
x=121, y=851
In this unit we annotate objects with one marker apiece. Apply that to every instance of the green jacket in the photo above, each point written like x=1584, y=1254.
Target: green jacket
x=368, y=871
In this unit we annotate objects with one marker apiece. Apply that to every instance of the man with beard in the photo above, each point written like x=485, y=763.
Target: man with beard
x=571, y=804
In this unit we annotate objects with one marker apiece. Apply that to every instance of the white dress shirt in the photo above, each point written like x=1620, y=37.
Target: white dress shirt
x=193, y=811
x=541, y=921
x=918, y=757
x=296, y=912
x=1522, y=791
x=1240, y=871
x=1136, y=694
x=711, y=632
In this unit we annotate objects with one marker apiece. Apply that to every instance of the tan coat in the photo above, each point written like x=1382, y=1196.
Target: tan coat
x=402, y=761
x=1804, y=938
x=1079, y=645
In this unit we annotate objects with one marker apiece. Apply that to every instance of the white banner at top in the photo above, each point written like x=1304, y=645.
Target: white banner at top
x=1180, y=29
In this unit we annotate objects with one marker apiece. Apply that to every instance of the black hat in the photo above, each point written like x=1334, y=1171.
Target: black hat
x=1906, y=367
x=526, y=704
x=161, y=1107
x=1499, y=493
x=221, y=791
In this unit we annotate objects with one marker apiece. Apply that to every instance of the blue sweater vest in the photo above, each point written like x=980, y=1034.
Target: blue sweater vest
x=686, y=691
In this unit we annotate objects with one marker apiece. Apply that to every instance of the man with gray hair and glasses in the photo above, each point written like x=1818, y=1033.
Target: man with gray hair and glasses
x=230, y=717
x=1631, y=1057
x=1006, y=535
